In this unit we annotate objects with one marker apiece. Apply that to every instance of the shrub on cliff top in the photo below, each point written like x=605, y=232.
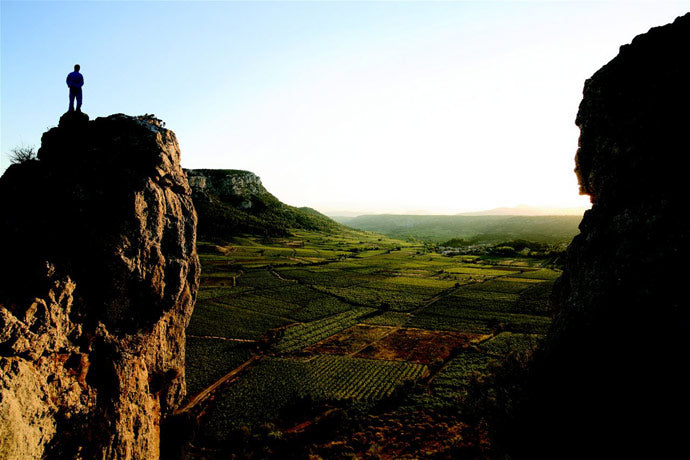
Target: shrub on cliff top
x=22, y=154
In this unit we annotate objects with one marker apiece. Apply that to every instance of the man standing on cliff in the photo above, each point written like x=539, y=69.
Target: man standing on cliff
x=75, y=81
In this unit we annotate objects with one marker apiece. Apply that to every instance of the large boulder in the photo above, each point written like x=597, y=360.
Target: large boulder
x=97, y=284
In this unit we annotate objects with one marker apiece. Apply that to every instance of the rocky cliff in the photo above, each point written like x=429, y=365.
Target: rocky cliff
x=242, y=188
x=97, y=284
x=232, y=201
x=611, y=378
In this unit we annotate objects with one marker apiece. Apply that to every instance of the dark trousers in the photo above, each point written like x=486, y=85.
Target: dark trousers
x=74, y=92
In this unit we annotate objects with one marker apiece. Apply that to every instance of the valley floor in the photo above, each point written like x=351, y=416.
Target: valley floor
x=349, y=345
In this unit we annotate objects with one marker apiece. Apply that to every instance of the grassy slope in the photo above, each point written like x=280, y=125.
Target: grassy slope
x=223, y=216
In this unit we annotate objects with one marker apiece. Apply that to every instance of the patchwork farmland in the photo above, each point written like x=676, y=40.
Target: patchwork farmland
x=288, y=332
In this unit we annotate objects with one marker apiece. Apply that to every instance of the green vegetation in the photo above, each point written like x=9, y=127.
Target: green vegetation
x=455, y=317
x=344, y=319
x=276, y=385
x=210, y=360
x=509, y=342
x=342, y=377
x=543, y=274
x=389, y=318
x=478, y=322
x=302, y=335
x=473, y=229
x=257, y=398
x=456, y=243
x=451, y=381
x=231, y=202
x=222, y=320
x=499, y=285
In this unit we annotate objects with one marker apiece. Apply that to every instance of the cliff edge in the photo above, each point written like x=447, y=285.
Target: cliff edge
x=610, y=381
x=97, y=284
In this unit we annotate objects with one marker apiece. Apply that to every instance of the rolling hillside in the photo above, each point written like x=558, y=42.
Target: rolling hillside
x=231, y=202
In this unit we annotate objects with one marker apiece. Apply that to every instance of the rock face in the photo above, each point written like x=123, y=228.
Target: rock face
x=231, y=202
x=612, y=377
x=241, y=187
x=98, y=282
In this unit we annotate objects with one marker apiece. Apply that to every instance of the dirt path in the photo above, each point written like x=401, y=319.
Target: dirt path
x=450, y=290
x=204, y=394
x=277, y=275
x=391, y=330
x=227, y=339
x=309, y=286
x=436, y=298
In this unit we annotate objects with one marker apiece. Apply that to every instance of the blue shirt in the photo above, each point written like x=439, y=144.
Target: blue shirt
x=75, y=80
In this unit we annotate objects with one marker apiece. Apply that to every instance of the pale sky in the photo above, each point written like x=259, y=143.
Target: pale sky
x=342, y=106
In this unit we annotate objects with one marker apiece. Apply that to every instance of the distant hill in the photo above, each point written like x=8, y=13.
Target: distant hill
x=519, y=210
x=230, y=202
x=523, y=210
x=476, y=229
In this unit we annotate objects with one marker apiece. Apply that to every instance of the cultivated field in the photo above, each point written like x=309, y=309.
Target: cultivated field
x=355, y=322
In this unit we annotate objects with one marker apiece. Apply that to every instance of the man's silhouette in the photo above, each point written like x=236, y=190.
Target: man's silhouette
x=75, y=81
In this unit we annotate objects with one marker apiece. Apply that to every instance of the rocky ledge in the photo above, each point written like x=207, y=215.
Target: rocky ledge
x=97, y=284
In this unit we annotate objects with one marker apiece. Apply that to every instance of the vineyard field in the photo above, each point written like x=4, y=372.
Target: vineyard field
x=510, y=342
x=277, y=384
x=221, y=320
x=299, y=336
x=211, y=359
x=351, y=321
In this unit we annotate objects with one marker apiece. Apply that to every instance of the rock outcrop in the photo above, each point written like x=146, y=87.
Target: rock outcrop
x=97, y=284
x=231, y=202
x=611, y=380
x=242, y=188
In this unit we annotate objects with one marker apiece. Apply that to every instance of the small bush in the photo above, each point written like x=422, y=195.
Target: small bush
x=22, y=154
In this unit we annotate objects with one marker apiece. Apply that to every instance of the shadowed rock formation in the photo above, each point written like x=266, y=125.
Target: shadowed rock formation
x=611, y=380
x=97, y=284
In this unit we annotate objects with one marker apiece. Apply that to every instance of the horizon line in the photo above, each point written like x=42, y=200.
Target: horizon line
x=521, y=210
